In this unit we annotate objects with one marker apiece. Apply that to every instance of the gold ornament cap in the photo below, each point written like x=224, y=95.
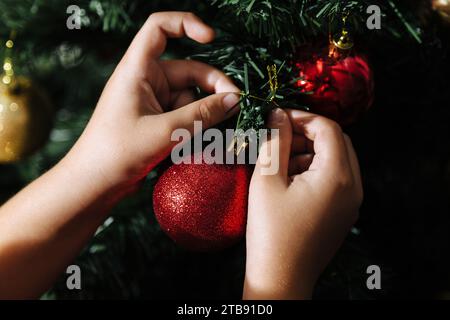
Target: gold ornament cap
x=344, y=41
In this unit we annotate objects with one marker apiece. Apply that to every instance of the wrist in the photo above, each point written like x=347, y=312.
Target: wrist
x=277, y=278
x=93, y=182
x=103, y=158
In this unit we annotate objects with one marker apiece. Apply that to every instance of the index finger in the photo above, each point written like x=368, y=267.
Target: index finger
x=183, y=74
x=151, y=39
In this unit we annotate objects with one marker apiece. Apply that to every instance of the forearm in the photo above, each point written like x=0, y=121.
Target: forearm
x=278, y=287
x=46, y=225
x=277, y=274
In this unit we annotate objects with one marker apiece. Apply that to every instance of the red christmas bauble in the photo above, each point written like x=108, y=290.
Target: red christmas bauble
x=342, y=90
x=203, y=207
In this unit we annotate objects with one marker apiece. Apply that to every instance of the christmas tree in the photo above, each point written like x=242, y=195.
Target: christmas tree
x=70, y=49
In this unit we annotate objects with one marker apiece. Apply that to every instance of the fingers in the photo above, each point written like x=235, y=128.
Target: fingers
x=273, y=161
x=150, y=42
x=181, y=98
x=299, y=164
x=329, y=144
x=300, y=144
x=354, y=164
x=210, y=111
x=182, y=74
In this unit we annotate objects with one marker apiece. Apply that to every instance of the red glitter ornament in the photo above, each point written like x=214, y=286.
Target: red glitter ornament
x=341, y=90
x=203, y=207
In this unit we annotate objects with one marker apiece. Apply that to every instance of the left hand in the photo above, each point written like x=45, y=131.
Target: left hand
x=47, y=224
x=146, y=99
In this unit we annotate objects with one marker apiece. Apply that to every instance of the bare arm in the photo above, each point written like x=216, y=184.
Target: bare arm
x=46, y=225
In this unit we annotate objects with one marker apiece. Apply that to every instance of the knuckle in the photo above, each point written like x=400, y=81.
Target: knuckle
x=334, y=126
x=153, y=17
x=343, y=181
x=189, y=15
x=328, y=125
x=205, y=114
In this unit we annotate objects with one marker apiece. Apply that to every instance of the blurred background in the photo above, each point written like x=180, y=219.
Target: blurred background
x=402, y=142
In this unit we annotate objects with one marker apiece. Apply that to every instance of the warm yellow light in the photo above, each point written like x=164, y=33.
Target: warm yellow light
x=7, y=66
x=9, y=44
x=13, y=107
x=6, y=79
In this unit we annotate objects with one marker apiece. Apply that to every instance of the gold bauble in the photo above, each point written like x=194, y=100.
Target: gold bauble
x=443, y=8
x=25, y=119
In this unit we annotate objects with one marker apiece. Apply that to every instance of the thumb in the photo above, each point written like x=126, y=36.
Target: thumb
x=210, y=111
x=274, y=153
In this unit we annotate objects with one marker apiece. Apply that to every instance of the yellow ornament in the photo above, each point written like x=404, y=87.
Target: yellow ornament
x=25, y=118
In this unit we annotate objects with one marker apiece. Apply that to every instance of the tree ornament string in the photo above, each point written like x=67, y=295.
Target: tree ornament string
x=256, y=104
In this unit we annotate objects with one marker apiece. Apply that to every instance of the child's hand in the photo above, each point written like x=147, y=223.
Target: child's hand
x=46, y=225
x=299, y=217
x=130, y=130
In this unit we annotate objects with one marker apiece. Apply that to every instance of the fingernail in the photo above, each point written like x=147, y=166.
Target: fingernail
x=277, y=116
x=230, y=101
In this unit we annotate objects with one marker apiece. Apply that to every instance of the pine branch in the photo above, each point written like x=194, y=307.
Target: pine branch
x=284, y=22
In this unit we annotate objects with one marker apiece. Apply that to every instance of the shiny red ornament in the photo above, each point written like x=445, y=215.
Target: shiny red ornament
x=342, y=90
x=203, y=207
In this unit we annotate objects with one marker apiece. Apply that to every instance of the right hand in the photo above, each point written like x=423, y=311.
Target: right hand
x=299, y=217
